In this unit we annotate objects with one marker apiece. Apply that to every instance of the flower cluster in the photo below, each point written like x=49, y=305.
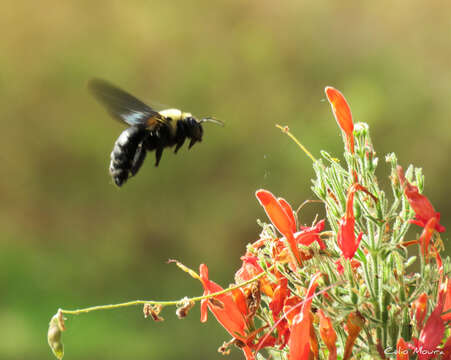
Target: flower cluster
x=354, y=290
x=351, y=290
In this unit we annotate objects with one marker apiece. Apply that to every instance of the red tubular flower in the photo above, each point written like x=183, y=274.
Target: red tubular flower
x=402, y=352
x=228, y=313
x=447, y=350
x=289, y=211
x=434, y=329
x=346, y=239
x=276, y=212
x=354, y=325
x=419, y=309
x=280, y=294
x=299, y=342
x=431, y=335
x=276, y=209
x=300, y=336
x=438, y=260
x=240, y=300
x=354, y=265
x=424, y=211
x=426, y=235
x=265, y=341
x=308, y=235
x=342, y=113
x=447, y=302
x=328, y=334
x=279, y=302
x=314, y=346
x=249, y=269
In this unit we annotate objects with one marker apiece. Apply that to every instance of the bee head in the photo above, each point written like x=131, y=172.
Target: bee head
x=195, y=130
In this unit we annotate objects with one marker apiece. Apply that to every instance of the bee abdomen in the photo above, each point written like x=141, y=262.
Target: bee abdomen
x=123, y=154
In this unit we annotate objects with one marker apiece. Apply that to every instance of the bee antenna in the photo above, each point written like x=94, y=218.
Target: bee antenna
x=212, y=120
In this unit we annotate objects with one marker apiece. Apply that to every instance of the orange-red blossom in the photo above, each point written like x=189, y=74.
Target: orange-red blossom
x=419, y=309
x=328, y=334
x=402, y=351
x=447, y=302
x=301, y=327
x=281, y=215
x=424, y=211
x=432, y=333
x=426, y=236
x=346, y=239
x=342, y=113
x=227, y=309
x=354, y=325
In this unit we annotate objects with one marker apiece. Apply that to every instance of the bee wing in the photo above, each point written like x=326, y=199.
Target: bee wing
x=123, y=106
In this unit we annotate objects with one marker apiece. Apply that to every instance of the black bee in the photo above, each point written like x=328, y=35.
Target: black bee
x=149, y=129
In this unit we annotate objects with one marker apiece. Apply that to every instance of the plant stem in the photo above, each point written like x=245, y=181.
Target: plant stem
x=153, y=302
x=285, y=130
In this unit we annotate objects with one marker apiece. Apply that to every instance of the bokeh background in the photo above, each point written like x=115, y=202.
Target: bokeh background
x=70, y=239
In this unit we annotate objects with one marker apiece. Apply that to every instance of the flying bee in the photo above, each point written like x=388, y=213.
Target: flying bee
x=149, y=130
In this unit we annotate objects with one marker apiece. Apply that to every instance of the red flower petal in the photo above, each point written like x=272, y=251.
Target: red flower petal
x=299, y=342
x=204, y=311
x=328, y=334
x=447, y=350
x=354, y=265
x=419, y=309
x=228, y=314
x=354, y=325
x=346, y=239
x=342, y=113
x=308, y=235
x=276, y=212
x=289, y=211
x=426, y=235
x=424, y=211
x=431, y=335
x=280, y=294
x=402, y=352
x=249, y=269
x=280, y=219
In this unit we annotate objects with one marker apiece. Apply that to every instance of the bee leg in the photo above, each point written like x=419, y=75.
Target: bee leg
x=158, y=153
x=179, y=145
x=138, y=159
x=191, y=143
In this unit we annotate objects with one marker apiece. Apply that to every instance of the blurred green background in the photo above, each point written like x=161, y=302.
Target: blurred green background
x=70, y=239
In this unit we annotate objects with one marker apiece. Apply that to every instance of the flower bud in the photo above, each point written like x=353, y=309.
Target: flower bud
x=56, y=327
x=374, y=163
x=361, y=129
x=419, y=178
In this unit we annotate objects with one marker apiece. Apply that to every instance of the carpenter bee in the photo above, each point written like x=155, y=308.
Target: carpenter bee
x=149, y=129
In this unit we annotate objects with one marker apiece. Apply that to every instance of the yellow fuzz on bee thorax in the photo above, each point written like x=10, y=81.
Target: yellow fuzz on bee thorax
x=172, y=116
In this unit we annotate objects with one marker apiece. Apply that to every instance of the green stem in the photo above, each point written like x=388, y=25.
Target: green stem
x=303, y=148
x=376, y=302
x=153, y=302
